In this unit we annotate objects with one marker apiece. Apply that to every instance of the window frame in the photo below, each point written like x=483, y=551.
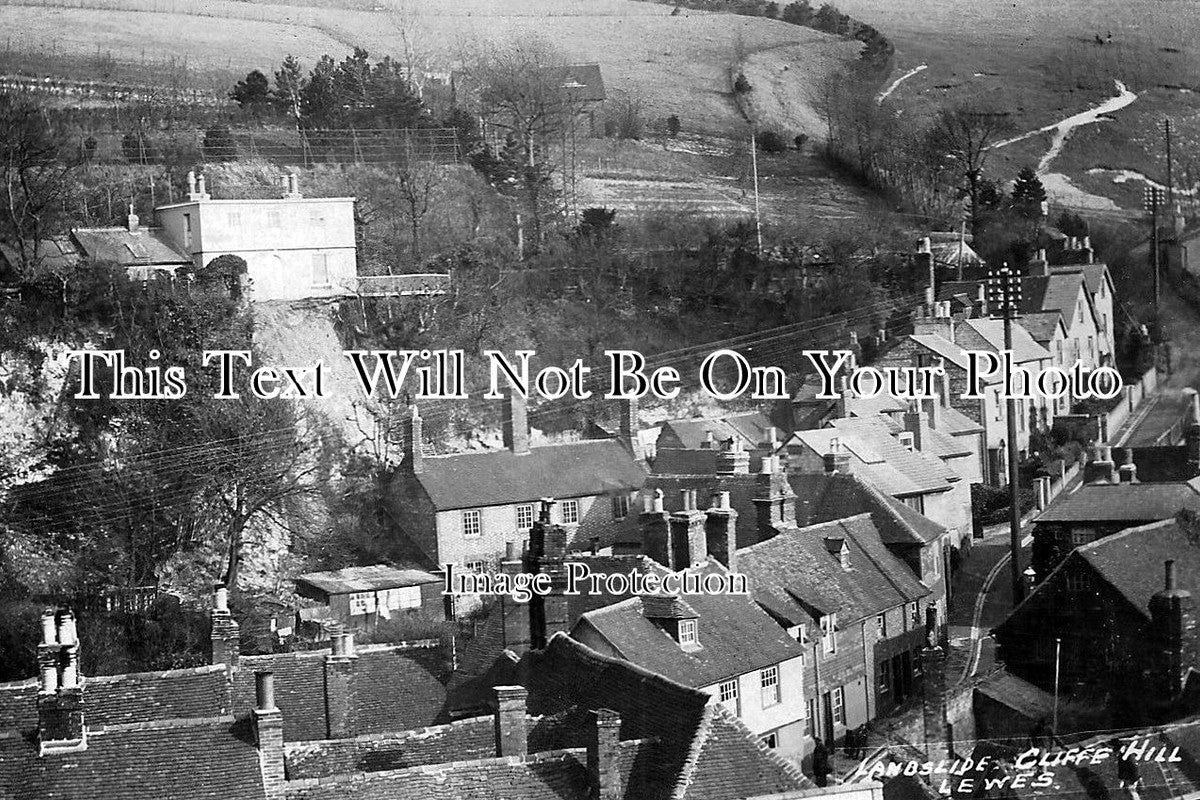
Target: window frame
x=620, y=507
x=837, y=703
x=881, y=625
x=734, y=695
x=532, y=511
x=769, y=684
x=472, y=514
x=689, y=635
x=325, y=272
x=573, y=504
x=829, y=634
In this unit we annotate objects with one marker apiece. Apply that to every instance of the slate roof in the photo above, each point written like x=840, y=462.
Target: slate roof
x=575, y=469
x=882, y=459
x=825, y=498
x=1162, y=463
x=991, y=331
x=56, y=253
x=735, y=637
x=144, y=247
x=1132, y=561
x=793, y=575
x=365, y=579
x=1041, y=325
x=951, y=253
x=1094, y=275
x=1123, y=502
x=943, y=347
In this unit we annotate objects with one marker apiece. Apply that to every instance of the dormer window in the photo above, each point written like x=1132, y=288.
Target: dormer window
x=801, y=633
x=688, y=638
x=908, y=440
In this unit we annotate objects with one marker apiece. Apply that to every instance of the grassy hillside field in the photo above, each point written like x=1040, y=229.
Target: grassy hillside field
x=674, y=64
x=1040, y=59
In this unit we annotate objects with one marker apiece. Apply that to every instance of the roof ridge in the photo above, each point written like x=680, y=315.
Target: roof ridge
x=635, y=668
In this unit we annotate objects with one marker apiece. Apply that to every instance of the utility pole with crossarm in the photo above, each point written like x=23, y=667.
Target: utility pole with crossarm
x=1004, y=296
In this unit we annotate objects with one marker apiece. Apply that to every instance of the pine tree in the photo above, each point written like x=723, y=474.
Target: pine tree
x=1028, y=194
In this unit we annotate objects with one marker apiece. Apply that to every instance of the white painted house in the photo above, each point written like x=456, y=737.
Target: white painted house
x=295, y=247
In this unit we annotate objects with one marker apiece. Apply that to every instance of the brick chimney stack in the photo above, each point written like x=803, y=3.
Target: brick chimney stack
x=1100, y=469
x=340, y=687
x=603, y=755
x=291, y=187
x=1040, y=265
x=657, y=530
x=517, y=630
x=688, y=536
x=268, y=734
x=516, y=425
x=733, y=458
x=721, y=530
x=1173, y=612
x=548, y=614
x=512, y=735
x=132, y=222
x=774, y=500
x=225, y=636
x=60, y=694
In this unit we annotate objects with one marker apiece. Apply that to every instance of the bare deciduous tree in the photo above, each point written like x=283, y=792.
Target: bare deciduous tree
x=964, y=135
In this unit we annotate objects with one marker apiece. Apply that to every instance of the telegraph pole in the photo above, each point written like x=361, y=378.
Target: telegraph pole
x=1170, y=171
x=1004, y=295
x=1152, y=199
x=754, y=168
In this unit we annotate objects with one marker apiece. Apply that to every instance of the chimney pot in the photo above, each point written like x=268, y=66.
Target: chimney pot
x=1169, y=575
x=264, y=690
x=413, y=452
x=657, y=502
x=49, y=628
x=66, y=629
x=220, y=597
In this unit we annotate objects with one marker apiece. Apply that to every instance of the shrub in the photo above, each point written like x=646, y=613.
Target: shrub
x=596, y=221
x=136, y=148
x=800, y=140
x=770, y=142
x=673, y=125
x=741, y=85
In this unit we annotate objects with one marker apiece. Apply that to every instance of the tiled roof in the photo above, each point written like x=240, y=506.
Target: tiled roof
x=204, y=759
x=145, y=247
x=576, y=469
x=952, y=253
x=825, y=498
x=1123, y=502
x=366, y=579
x=1042, y=325
x=943, y=347
x=794, y=574
x=881, y=458
x=735, y=637
x=690, y=750
x=692, y=433
x=1094, y=275
x=151, y=696
x=991, y=331
x=677, y=461
x=1132, y=561
x=397, y=688
x=926, y=461
x=581, y=82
